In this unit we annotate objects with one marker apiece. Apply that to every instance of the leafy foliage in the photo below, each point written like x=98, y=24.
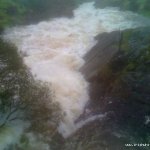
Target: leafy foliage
x=140, y=6
x=10, y=12
x=25, y=11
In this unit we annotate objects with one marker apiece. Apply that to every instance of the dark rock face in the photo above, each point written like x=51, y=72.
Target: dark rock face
x=101, y=53
x=121, y=86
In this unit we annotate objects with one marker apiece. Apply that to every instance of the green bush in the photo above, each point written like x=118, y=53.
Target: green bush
x=10, y=12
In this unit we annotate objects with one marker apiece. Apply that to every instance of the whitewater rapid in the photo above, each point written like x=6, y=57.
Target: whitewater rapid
x=53, y=51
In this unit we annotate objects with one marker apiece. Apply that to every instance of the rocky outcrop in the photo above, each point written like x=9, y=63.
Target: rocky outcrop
x=108, y=44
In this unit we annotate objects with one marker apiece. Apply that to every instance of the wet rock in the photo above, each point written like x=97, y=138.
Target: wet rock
x=122, y=86
x=101, y=53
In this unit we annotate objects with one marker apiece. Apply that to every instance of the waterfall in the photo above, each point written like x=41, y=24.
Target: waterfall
x=53, y=51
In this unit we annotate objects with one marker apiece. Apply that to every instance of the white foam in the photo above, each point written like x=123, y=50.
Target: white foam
x=90, y=119
x=53, y=51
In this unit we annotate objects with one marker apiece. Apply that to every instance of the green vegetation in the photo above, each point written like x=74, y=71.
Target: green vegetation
x=10, y=12
x=140, y=6
x=135, y=56
x=14, y=12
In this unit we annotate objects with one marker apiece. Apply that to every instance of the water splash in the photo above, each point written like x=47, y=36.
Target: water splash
x=53, y=51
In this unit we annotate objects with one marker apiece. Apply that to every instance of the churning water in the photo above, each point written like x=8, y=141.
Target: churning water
x=53, y=50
